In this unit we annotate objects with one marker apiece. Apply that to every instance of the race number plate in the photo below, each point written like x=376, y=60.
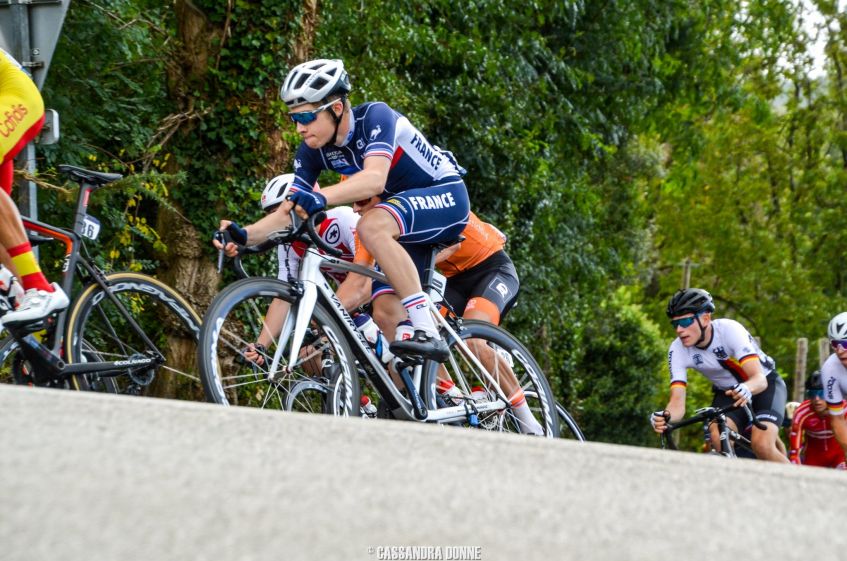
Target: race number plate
x=90, y=227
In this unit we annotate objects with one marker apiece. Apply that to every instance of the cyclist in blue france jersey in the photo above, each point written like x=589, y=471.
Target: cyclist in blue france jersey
x=727, y=355
x=423, y=198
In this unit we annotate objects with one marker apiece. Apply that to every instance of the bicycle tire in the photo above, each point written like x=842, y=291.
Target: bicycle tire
x=568, y=427
x=526, y=368
x=96, y=331
x=240, y=309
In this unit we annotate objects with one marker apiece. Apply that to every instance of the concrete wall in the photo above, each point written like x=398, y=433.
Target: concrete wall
x=89, y=477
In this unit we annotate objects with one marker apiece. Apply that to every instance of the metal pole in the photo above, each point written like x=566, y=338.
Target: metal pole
x=800, y=369
x=22, y=51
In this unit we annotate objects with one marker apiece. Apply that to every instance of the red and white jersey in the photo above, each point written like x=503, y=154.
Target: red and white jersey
x=731, y=346
x=834, y=378
x=816, y=429
x=339, y=231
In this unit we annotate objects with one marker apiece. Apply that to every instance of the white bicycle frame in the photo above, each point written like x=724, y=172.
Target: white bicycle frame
x=312, y=282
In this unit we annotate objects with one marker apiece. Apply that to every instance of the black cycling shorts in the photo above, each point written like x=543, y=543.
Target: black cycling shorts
x=768, y=406
x=491, y=286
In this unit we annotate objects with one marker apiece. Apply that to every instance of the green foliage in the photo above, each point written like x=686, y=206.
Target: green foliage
x=620, y=376
x=609, y=140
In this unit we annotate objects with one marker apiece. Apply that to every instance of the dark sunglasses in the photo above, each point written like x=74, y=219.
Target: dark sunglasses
x=307, y=117
x=814, y=394
x=839, y=344
x=363, y=202
x=684, y=322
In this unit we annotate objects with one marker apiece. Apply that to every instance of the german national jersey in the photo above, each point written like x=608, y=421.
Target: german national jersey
x=834, y=378
x=339, y=231
x=819, y=438
x=730, y=348
x=378, y=130
x=482, y=240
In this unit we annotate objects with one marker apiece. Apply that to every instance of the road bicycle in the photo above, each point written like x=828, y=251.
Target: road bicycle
x=715, y=415
x=321, y=358
x=123, y=332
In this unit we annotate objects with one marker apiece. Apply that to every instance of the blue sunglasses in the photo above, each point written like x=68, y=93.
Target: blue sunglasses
x=814, y=393
x=685, y=322
x=308, y=117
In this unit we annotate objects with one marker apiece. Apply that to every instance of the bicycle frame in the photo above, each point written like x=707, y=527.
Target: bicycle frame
x=716, y=415
x=47, y=356
x=312, y=285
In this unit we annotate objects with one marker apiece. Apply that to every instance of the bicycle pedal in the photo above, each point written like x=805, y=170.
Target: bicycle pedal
x=36, y=326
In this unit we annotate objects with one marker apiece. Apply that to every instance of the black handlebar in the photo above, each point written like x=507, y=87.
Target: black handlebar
x=313, y=221
x=708, y=414
x=297, y=233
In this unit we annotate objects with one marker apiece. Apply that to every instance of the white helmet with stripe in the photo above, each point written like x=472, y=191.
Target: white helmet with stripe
x=276, y=190
x=314, y=82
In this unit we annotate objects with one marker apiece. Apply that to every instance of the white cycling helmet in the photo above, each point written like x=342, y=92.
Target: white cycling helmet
x=276, y=190
x=838, y=327
x=314, y=82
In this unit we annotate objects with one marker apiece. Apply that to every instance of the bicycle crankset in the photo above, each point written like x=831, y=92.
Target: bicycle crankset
x=141, y=376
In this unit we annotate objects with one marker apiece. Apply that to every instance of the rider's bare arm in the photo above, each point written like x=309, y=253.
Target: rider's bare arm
x=447, y=253
x=676, y=408
x=756, y=381
x=355, y=290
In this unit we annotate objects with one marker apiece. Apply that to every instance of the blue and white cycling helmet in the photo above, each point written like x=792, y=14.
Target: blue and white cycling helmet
x=314, y=82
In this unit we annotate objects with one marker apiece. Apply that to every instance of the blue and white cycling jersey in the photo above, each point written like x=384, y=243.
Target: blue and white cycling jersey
x=378, y=130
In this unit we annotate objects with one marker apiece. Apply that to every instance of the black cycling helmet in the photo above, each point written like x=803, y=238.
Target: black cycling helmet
x=815, y=381
x=690, y=301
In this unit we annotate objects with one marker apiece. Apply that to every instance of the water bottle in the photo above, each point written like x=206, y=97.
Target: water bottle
x=404, y=331
x=366, y=325
x=368, y=408
x=448, y=390
x=479, y=394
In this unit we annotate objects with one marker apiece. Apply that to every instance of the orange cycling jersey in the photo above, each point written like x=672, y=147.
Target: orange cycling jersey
x=21, y=114
x=482, y=240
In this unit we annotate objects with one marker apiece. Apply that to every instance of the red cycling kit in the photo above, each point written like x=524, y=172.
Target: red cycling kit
x=820, y=447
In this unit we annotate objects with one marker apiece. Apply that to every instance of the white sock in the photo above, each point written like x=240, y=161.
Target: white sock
x=417, y=305
x=527, y=422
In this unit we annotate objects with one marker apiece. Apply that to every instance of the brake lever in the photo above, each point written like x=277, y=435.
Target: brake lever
x=224, y=238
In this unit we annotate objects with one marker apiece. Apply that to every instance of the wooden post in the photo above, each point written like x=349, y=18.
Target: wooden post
x=824, y=349
x=686, y=273
x=800, y=370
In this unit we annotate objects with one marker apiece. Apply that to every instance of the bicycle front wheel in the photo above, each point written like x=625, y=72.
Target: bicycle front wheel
x=236, y=319
x=510, y=364
x=98, y=331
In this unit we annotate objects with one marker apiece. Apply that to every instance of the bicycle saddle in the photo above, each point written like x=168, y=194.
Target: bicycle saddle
x=444, y=245
x=96, y=178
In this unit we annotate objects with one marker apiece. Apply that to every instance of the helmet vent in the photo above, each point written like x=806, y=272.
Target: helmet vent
x=300, y=81
x=319, y=83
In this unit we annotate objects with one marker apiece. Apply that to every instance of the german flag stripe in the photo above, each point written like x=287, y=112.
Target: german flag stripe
x=835, y=409
x=734, y=368
x=748, y=358
x=679, y=384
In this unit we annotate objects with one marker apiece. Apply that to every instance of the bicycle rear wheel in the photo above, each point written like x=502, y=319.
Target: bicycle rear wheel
x=501, y=354
x=97, y=331
x=568, y=428
x=235, y=320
